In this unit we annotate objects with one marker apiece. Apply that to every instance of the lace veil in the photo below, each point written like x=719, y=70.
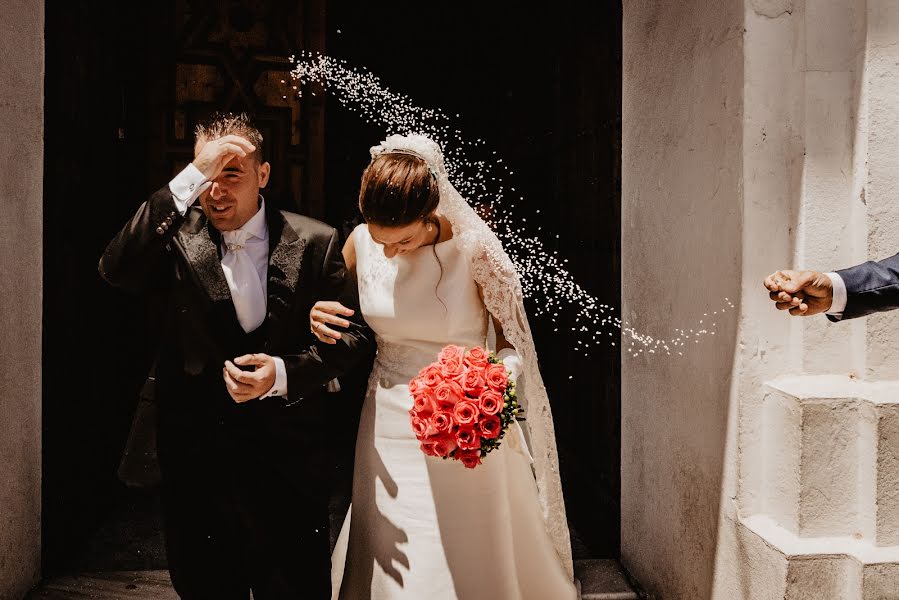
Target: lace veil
x=495, y=273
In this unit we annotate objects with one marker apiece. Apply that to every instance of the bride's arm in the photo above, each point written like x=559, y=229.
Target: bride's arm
x=349, y=254
x=325, y=313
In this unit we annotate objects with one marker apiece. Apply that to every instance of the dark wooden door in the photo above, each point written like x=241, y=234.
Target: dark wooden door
x=233, y=55
x=125, y=84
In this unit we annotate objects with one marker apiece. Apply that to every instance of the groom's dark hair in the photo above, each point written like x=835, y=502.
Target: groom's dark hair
x=225, y=123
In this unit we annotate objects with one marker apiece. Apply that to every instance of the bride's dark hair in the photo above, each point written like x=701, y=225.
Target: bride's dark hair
x=397, y=190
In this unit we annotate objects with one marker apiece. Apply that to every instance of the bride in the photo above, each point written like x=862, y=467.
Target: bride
x=432, y=273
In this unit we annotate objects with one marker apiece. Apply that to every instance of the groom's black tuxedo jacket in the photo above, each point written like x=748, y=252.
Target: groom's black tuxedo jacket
x=177, y=260
x=244, y=486
x=871, y=287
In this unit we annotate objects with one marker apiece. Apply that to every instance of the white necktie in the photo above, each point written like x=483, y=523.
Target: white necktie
x=243, y=279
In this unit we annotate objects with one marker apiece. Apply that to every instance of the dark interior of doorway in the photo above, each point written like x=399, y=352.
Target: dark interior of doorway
x=541, y=86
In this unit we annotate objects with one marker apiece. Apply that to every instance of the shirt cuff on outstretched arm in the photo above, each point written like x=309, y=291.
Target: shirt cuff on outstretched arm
x=839, y=296
x=280, y=386
x=187, y=186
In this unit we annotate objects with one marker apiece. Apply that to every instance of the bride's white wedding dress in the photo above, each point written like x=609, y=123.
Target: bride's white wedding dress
x=421, y=527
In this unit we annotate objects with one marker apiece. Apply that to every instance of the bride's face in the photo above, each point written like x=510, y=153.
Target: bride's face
x=402, y=240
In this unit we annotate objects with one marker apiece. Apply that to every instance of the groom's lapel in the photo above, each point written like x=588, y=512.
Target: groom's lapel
x=285, y=261
x=201, y=245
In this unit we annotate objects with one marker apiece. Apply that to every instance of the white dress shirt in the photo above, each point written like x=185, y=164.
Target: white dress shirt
x=840, y=296
x=186, y=187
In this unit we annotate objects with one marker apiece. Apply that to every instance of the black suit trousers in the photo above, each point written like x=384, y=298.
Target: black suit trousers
x=245, y=501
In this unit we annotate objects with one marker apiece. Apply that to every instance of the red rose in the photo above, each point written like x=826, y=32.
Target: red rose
x=490, y=427
x=428, y=448
x=497, y=377
x=431, y=376
x=414, y=385
x=473, y=382
x=477, y=357
x=445, y=406
x=420, y=427
x=443, y=446
x=423, y=401
x=441, y=422
x=469, y=458
x=447, y=395
x=491, y=403
x=466, y=413
x=468, y=438
x=453, y=369
x=450, y=352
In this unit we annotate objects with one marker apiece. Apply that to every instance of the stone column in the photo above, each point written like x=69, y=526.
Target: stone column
x=816, y=510
x=880, y=87
x=21, y=185
x=772, y=450
x=681, y=257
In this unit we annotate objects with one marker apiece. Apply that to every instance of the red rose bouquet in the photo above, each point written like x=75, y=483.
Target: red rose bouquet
x=462, y=405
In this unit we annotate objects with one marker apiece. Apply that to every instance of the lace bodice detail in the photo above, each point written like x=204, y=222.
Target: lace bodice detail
x=417, y=303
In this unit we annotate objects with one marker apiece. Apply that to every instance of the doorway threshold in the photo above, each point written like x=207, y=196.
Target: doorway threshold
x=602, y=579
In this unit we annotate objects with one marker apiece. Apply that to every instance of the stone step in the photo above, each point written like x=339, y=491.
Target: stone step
x=598, y=579
x=110, y=585
x=831, y=457
x=789, y=567
x=602, y=579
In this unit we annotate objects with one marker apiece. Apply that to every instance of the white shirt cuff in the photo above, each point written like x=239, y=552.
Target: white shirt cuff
x=280, y=386
x=187, y=186
x=839, y=295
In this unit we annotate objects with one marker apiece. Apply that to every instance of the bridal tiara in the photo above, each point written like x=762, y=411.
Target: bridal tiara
x=409, y=152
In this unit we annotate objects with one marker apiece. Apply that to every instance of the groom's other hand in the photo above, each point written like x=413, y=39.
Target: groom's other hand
x=247, y=385
x=803, y=293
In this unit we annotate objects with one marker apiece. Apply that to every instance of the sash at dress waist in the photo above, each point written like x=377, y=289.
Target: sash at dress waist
x=405, y=360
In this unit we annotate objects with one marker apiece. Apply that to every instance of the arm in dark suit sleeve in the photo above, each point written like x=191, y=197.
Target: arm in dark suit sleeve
x=871, y=287
x=136, y=259
x=321, y=363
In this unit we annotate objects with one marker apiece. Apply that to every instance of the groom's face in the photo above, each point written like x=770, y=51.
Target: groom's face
x=233, y=197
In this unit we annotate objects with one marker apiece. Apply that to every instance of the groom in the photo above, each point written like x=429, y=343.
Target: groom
x=243, y=421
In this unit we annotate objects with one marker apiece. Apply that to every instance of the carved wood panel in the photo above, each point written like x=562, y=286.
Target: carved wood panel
x=233, y=55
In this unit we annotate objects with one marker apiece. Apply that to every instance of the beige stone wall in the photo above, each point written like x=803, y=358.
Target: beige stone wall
x=881, y=177
x=681, y=256
x=21, y=184
x=790, y=424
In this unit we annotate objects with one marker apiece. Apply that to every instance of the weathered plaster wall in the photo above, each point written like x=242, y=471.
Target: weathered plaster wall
x=21, y=184
x=780, y=431
x=881, y=178
x=681, y=256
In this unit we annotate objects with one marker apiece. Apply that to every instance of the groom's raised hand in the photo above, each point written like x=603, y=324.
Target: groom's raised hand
x=247, y=385
x=215, y=154
x=803, y=293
